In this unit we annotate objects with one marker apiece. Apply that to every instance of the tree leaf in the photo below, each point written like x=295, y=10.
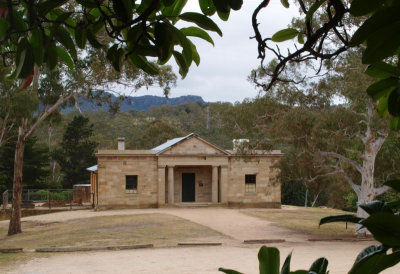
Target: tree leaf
x=395, y=184
x=65, y=57
x=285, y=3
x=141, y=62
x=185, y=44
x=380, y=88
x=374, y=259
x=80, y=37
x=229, y=271
x=340, y=218
x=224, y=16
x=3, y=28
x=363, y=7
x=114, y=55
x=384, y=227
x=201, y=20
x=51, y=56
x=383, y=43
x=319, y=266
x=24, y=61
x=384, y=17
x=195, y=54
x=375, y=206
x=300, y=38
x=93, y=40
x=123, y=9
x=285, y=34
x=63, y=36
x=237, y=4
x=221, y=5
x=286, y=265
x=49, y=5
x=268, y=258
x=382, y=70
x=395, y=123
x=207, y=7
x=197, y=32
x=164, y=38
x=180, y=60
x=36, y=42
x=313, y=9
x=394, y=102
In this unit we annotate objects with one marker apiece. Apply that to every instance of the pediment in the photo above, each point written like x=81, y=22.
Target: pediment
x=194, y=145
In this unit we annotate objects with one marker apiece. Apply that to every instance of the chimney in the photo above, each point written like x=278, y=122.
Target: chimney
x=121, y=143
x=240, y=144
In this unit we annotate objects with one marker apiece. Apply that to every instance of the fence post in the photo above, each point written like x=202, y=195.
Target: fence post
x=70, y=201
x=28, y=196
x=48, y=198
x=5, y=199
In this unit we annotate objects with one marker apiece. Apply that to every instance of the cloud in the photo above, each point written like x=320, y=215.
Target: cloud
x=223, y=71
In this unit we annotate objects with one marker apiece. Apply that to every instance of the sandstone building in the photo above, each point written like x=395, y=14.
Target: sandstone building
x=185, y=170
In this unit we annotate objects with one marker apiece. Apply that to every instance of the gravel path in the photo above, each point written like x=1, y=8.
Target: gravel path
x=232, y=254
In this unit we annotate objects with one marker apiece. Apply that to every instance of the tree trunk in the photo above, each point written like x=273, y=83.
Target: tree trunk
x=15, y=218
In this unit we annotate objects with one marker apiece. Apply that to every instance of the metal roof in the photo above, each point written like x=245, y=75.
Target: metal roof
x=92, y=168
x=170, y=143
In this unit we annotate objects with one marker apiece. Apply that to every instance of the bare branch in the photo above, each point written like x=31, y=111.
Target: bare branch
x=342, y=158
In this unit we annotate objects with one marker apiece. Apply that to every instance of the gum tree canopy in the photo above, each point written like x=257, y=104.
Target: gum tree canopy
x=35, y=34
x=328, y=28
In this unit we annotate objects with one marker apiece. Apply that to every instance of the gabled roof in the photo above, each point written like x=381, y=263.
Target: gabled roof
x=170, y=143
x=92, y=168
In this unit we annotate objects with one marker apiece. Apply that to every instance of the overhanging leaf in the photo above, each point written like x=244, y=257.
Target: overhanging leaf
x=382, y=70
x=201, y=20
x=237, y=4
x=197, y=32
x=375, y=206
x=313, y=9
x=221, y=5
x=363, y=7
x=286, y=265
x=340, y=218
x=65, y=57
x=285, y=3
x=285, y=34
x=382, y=87
x=395, y=184
x=394, y=103
x=385, y=227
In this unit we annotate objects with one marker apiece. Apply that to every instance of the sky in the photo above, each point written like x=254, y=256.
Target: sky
x=224, y=68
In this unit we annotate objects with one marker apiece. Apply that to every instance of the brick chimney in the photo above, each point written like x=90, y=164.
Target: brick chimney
x=121, y=143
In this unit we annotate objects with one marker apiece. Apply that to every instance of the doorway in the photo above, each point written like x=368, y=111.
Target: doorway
x=188, y=187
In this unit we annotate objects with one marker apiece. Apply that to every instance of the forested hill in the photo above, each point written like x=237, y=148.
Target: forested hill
x=137, y=102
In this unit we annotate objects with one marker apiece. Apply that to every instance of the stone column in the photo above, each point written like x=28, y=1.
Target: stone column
x=170, y=185
x=161, y=185
x=214, y=184
x=224, y=184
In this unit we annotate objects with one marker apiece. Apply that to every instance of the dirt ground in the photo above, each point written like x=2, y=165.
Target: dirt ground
x=207, y=259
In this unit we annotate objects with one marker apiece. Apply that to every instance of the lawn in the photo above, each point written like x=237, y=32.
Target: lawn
x=158, y=229
x=304, y=219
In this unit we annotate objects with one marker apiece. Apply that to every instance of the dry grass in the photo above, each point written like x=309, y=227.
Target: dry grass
x=304, y=219
x=157, y=229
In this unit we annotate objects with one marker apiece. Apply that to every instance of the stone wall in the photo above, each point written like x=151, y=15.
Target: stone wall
x=111, y=179
x=268, y=186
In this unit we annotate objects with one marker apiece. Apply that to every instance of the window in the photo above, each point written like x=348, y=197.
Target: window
x=250, y=183
x=131, y=184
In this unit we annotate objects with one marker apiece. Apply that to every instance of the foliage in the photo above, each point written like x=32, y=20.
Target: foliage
x=76, y=152
x=35, y=170
x=269, y=262
x=325, y=31
x=40, y=33
x=384, y=224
